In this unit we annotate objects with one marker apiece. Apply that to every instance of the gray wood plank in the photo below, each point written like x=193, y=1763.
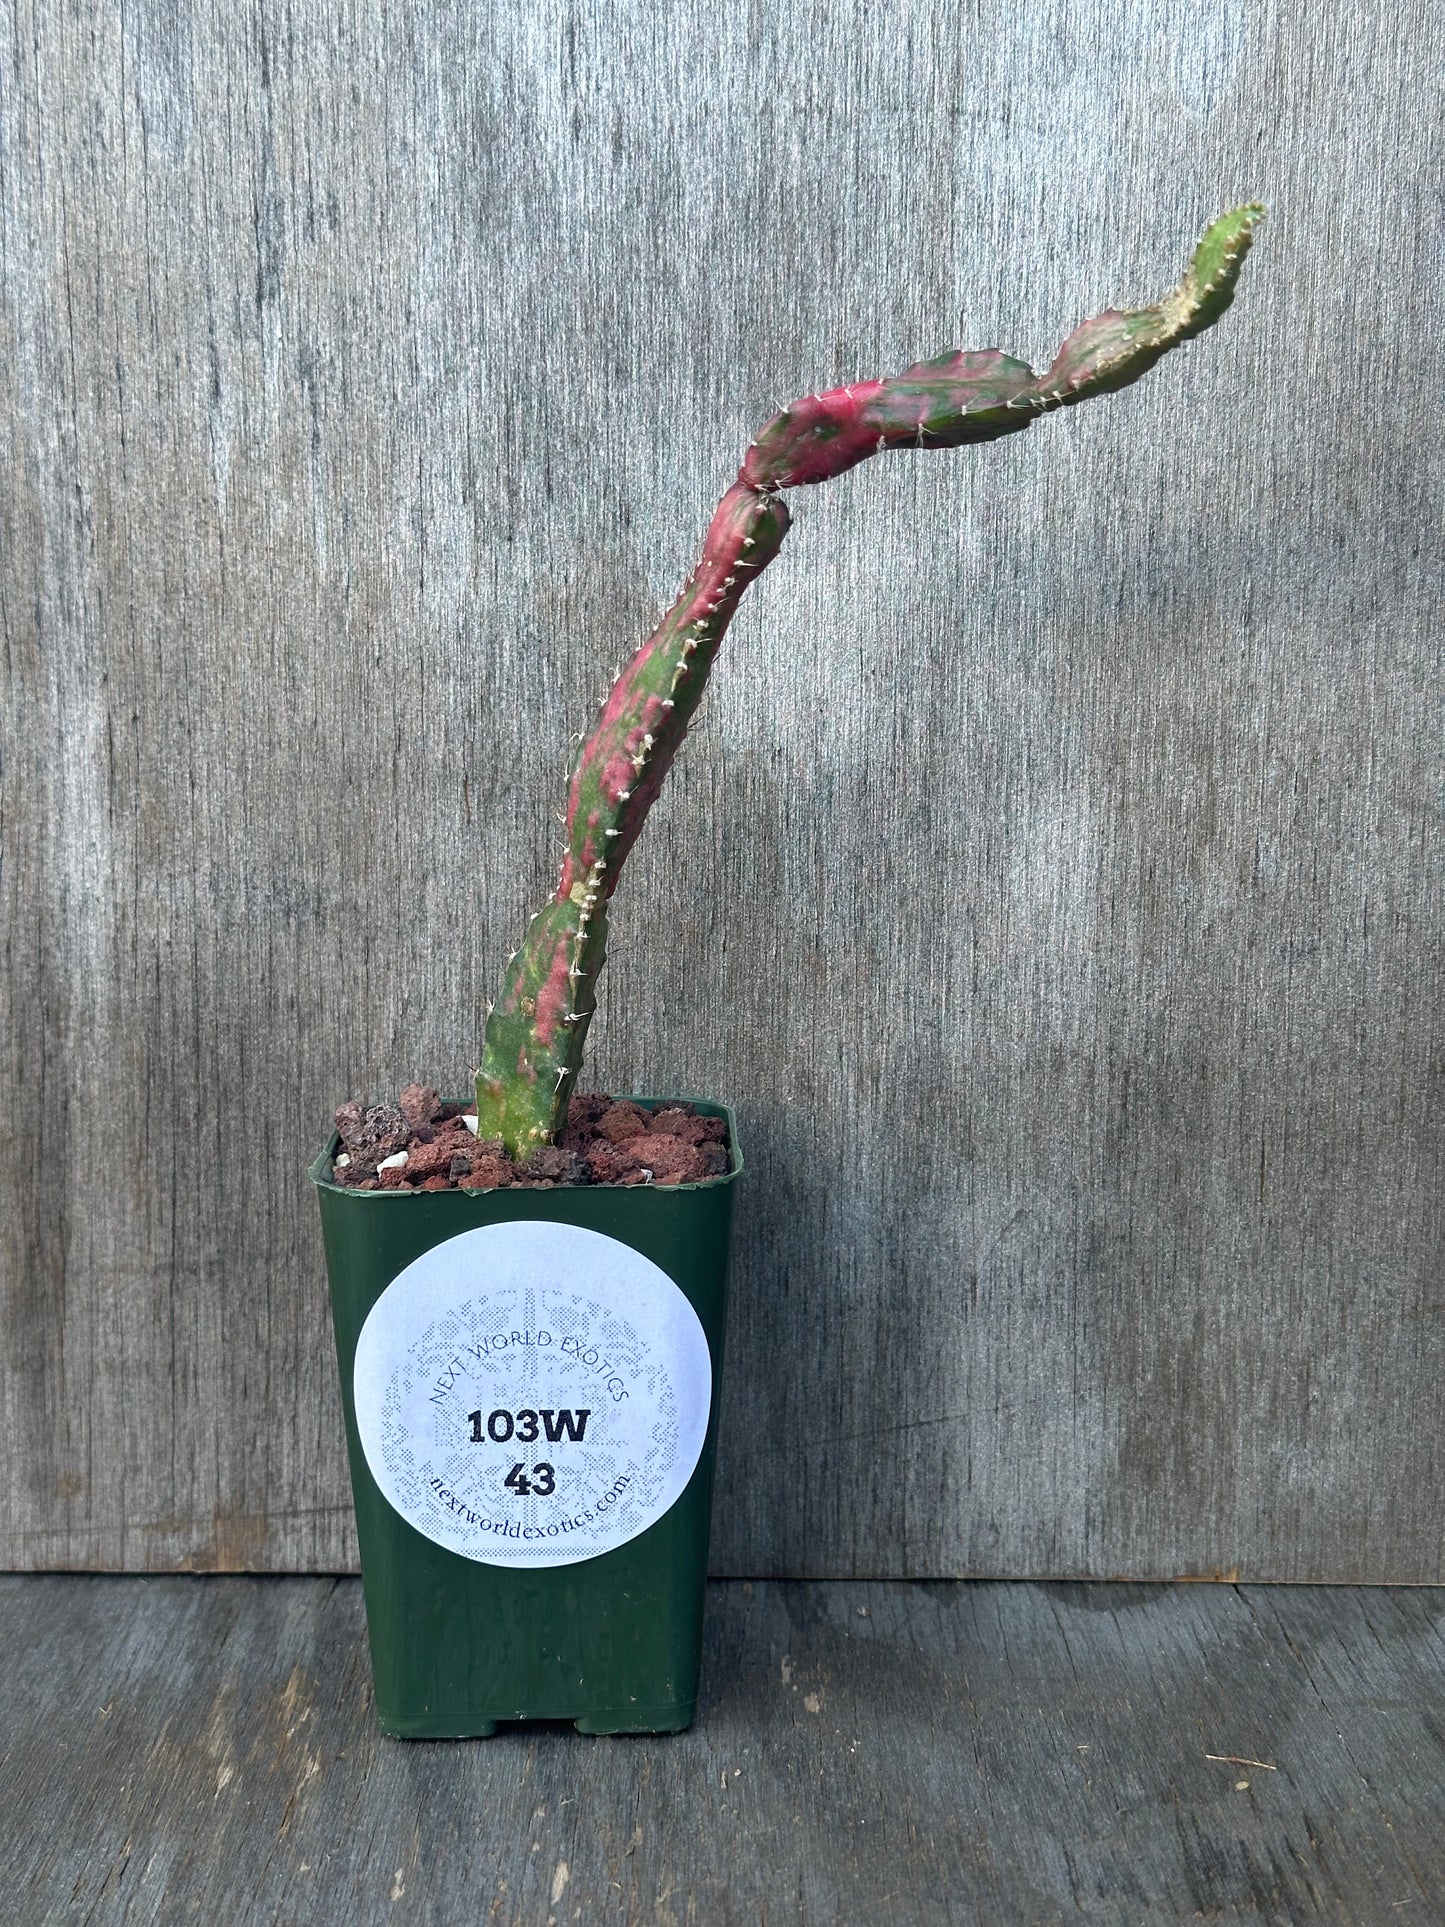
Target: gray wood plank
x=1053, y=882
x=927, y=1753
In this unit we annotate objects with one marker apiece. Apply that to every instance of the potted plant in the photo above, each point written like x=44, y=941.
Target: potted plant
x=528, y=1361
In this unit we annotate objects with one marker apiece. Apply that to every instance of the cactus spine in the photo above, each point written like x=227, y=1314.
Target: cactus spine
x=536, y=1030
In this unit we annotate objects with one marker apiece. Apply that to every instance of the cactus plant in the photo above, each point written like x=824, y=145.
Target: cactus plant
x=536, y=1029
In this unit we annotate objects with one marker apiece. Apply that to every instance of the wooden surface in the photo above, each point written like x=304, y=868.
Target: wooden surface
x=911, y=1754
x=1052, y=884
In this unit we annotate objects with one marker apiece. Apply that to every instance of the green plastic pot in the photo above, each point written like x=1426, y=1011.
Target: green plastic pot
x=611, y=1643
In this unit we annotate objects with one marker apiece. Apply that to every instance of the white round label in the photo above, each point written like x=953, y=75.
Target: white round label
x=532, y=1394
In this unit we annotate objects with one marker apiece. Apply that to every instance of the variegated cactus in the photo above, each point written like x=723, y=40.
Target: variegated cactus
x=536, y=1029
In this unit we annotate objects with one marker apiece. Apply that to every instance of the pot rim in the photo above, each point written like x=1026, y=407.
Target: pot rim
x=707, y=1107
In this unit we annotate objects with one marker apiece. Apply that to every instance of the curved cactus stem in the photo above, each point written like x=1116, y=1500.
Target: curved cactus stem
x=981, y=395
x=538, y=1025
x=536, y=1030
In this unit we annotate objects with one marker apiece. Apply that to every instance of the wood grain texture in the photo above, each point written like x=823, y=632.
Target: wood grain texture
x=1052, y=883
x=930, y=1755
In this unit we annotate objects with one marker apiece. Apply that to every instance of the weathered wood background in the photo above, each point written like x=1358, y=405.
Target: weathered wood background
x=922, y=1756
x=1053, y=882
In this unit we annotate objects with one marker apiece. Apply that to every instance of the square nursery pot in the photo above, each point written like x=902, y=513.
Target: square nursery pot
x=530, y=1384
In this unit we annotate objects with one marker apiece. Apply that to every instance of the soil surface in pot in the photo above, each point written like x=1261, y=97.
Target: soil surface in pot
x=421, y=1144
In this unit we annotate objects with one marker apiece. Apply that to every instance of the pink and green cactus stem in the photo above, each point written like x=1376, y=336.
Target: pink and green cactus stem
x=538, y=1025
